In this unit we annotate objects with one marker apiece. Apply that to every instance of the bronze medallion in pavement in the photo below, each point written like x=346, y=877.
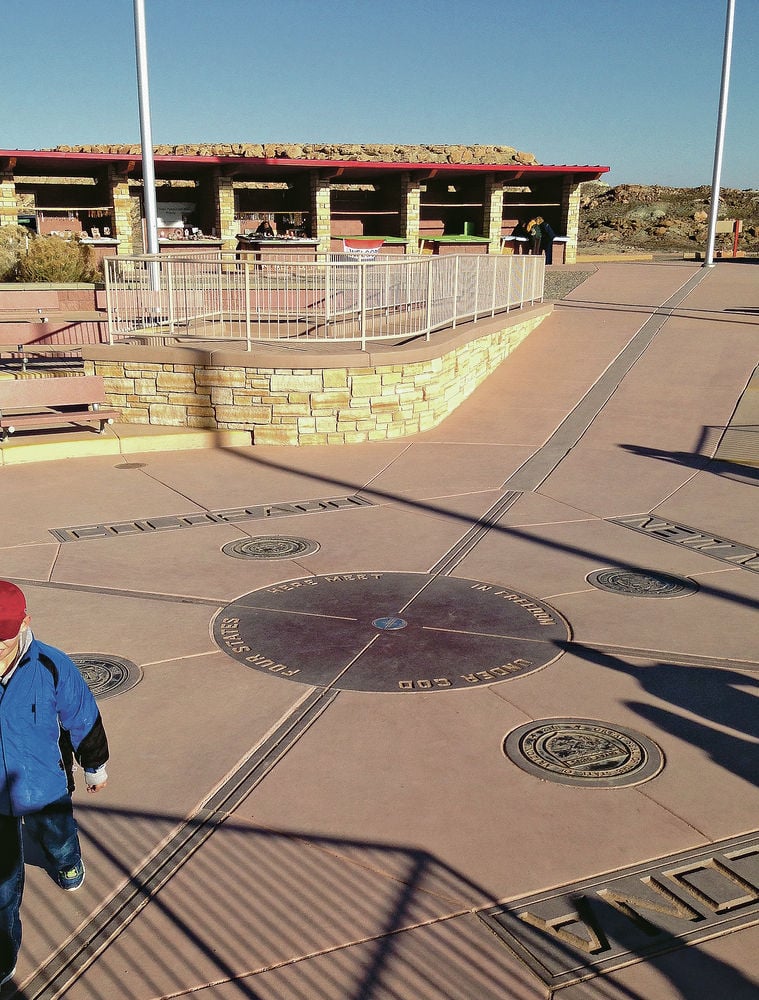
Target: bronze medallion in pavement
x=641, y=582
x=107, y=675
x=583, y=752
x=404, y=632
x=270, y=547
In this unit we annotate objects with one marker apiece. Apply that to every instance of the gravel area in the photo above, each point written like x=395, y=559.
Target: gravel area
x=561, y=282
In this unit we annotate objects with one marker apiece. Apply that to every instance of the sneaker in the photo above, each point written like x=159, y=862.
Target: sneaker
x=7, y=978
x=71, y=879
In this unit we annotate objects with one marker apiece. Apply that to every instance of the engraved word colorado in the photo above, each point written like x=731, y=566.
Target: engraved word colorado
x=175, y=522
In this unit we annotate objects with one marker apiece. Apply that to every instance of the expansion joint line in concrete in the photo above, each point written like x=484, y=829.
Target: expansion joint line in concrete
x=545, y=460
x=539, y=466
x=68, y=964
x=447, y=563
x=141, y=595
x=663, y=656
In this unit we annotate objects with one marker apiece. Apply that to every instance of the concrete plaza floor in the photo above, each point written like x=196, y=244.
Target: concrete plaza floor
x=311, y=796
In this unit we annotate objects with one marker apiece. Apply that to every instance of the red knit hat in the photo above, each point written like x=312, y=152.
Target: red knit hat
x=12, y=610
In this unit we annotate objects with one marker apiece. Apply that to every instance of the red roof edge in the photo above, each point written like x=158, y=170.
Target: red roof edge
x=58, y=156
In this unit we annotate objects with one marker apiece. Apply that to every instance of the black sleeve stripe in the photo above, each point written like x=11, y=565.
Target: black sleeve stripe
x=93, y=750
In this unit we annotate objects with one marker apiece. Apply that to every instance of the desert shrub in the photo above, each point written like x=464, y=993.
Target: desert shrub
x=52, y=258
x=13, y=243
x=8, y=264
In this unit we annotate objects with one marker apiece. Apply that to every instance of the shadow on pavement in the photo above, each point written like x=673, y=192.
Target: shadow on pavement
x=718, y=697
x=267, y=914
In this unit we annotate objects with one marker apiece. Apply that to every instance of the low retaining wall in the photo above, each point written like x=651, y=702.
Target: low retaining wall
x=17, y=296
x=45, y=313
x=333, y=397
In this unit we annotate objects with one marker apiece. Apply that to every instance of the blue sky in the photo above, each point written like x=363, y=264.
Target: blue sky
x=632, y=84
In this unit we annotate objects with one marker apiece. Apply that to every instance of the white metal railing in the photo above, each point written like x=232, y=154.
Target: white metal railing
x=232, y=296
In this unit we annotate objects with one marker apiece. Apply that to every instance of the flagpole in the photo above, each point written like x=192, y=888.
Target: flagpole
x=146, y=136
x=714, y=207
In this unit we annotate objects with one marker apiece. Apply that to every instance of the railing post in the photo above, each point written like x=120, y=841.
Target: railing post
x=429, y=296
x=327, y=294
x=109, y=299
x=508, y=283
x=170, y=291
x=477, y=287
x=248, y=345
x=361, y=304
x=456, y=291
x=220, y=292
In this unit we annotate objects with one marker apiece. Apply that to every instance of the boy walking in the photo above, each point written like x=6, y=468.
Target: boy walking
x=47, y=713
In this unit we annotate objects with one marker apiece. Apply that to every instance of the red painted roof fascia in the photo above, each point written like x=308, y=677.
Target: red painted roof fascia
x=57, y=156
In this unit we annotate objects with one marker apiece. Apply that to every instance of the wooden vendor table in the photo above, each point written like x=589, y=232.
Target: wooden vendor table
x=102, y=247
x=560, y=249
x=455, y=244
x=514, y=244
x=266, y=248
x=188, y=246
x=390, y=244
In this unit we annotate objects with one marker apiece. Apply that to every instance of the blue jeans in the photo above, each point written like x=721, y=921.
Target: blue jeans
x=54, y=829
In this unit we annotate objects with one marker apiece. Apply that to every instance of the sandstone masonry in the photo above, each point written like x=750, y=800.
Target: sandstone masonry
x=392, y=393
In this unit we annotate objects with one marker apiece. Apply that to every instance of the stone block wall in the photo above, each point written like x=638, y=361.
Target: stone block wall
x=392, y=393
x=492, y=222
x=8, y=204
x=122, y=212
x=570, y=218
x=321, y=227
x=411, y=201
x=223, y=201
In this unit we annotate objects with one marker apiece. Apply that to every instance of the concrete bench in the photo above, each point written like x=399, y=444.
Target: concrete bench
x=45, y=402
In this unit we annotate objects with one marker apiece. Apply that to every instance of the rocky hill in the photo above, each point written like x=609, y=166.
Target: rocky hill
x=654, y=219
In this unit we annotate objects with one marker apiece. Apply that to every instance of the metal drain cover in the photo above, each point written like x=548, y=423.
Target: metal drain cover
x=270, y=547
x=583, y=752
x=107, y=675
x=641, y=583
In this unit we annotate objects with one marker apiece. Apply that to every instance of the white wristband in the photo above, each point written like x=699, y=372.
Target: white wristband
x=98, y=777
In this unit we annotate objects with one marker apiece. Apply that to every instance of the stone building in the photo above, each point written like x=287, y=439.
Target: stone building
x=446, y=198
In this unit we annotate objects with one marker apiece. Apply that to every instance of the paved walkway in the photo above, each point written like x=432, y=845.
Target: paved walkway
x=427, y=753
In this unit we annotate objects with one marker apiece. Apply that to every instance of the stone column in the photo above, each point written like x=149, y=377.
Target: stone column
x=492, y=212
x=570, y=216
x=411, y=200
x=321, y=221
x=8, y=204
x=223, y=196
x=121, y=211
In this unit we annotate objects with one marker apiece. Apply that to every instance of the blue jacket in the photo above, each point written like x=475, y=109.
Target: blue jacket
x=45, y=694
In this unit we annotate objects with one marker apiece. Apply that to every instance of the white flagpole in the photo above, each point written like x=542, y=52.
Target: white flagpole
x=146, y=136
x=714, y=208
